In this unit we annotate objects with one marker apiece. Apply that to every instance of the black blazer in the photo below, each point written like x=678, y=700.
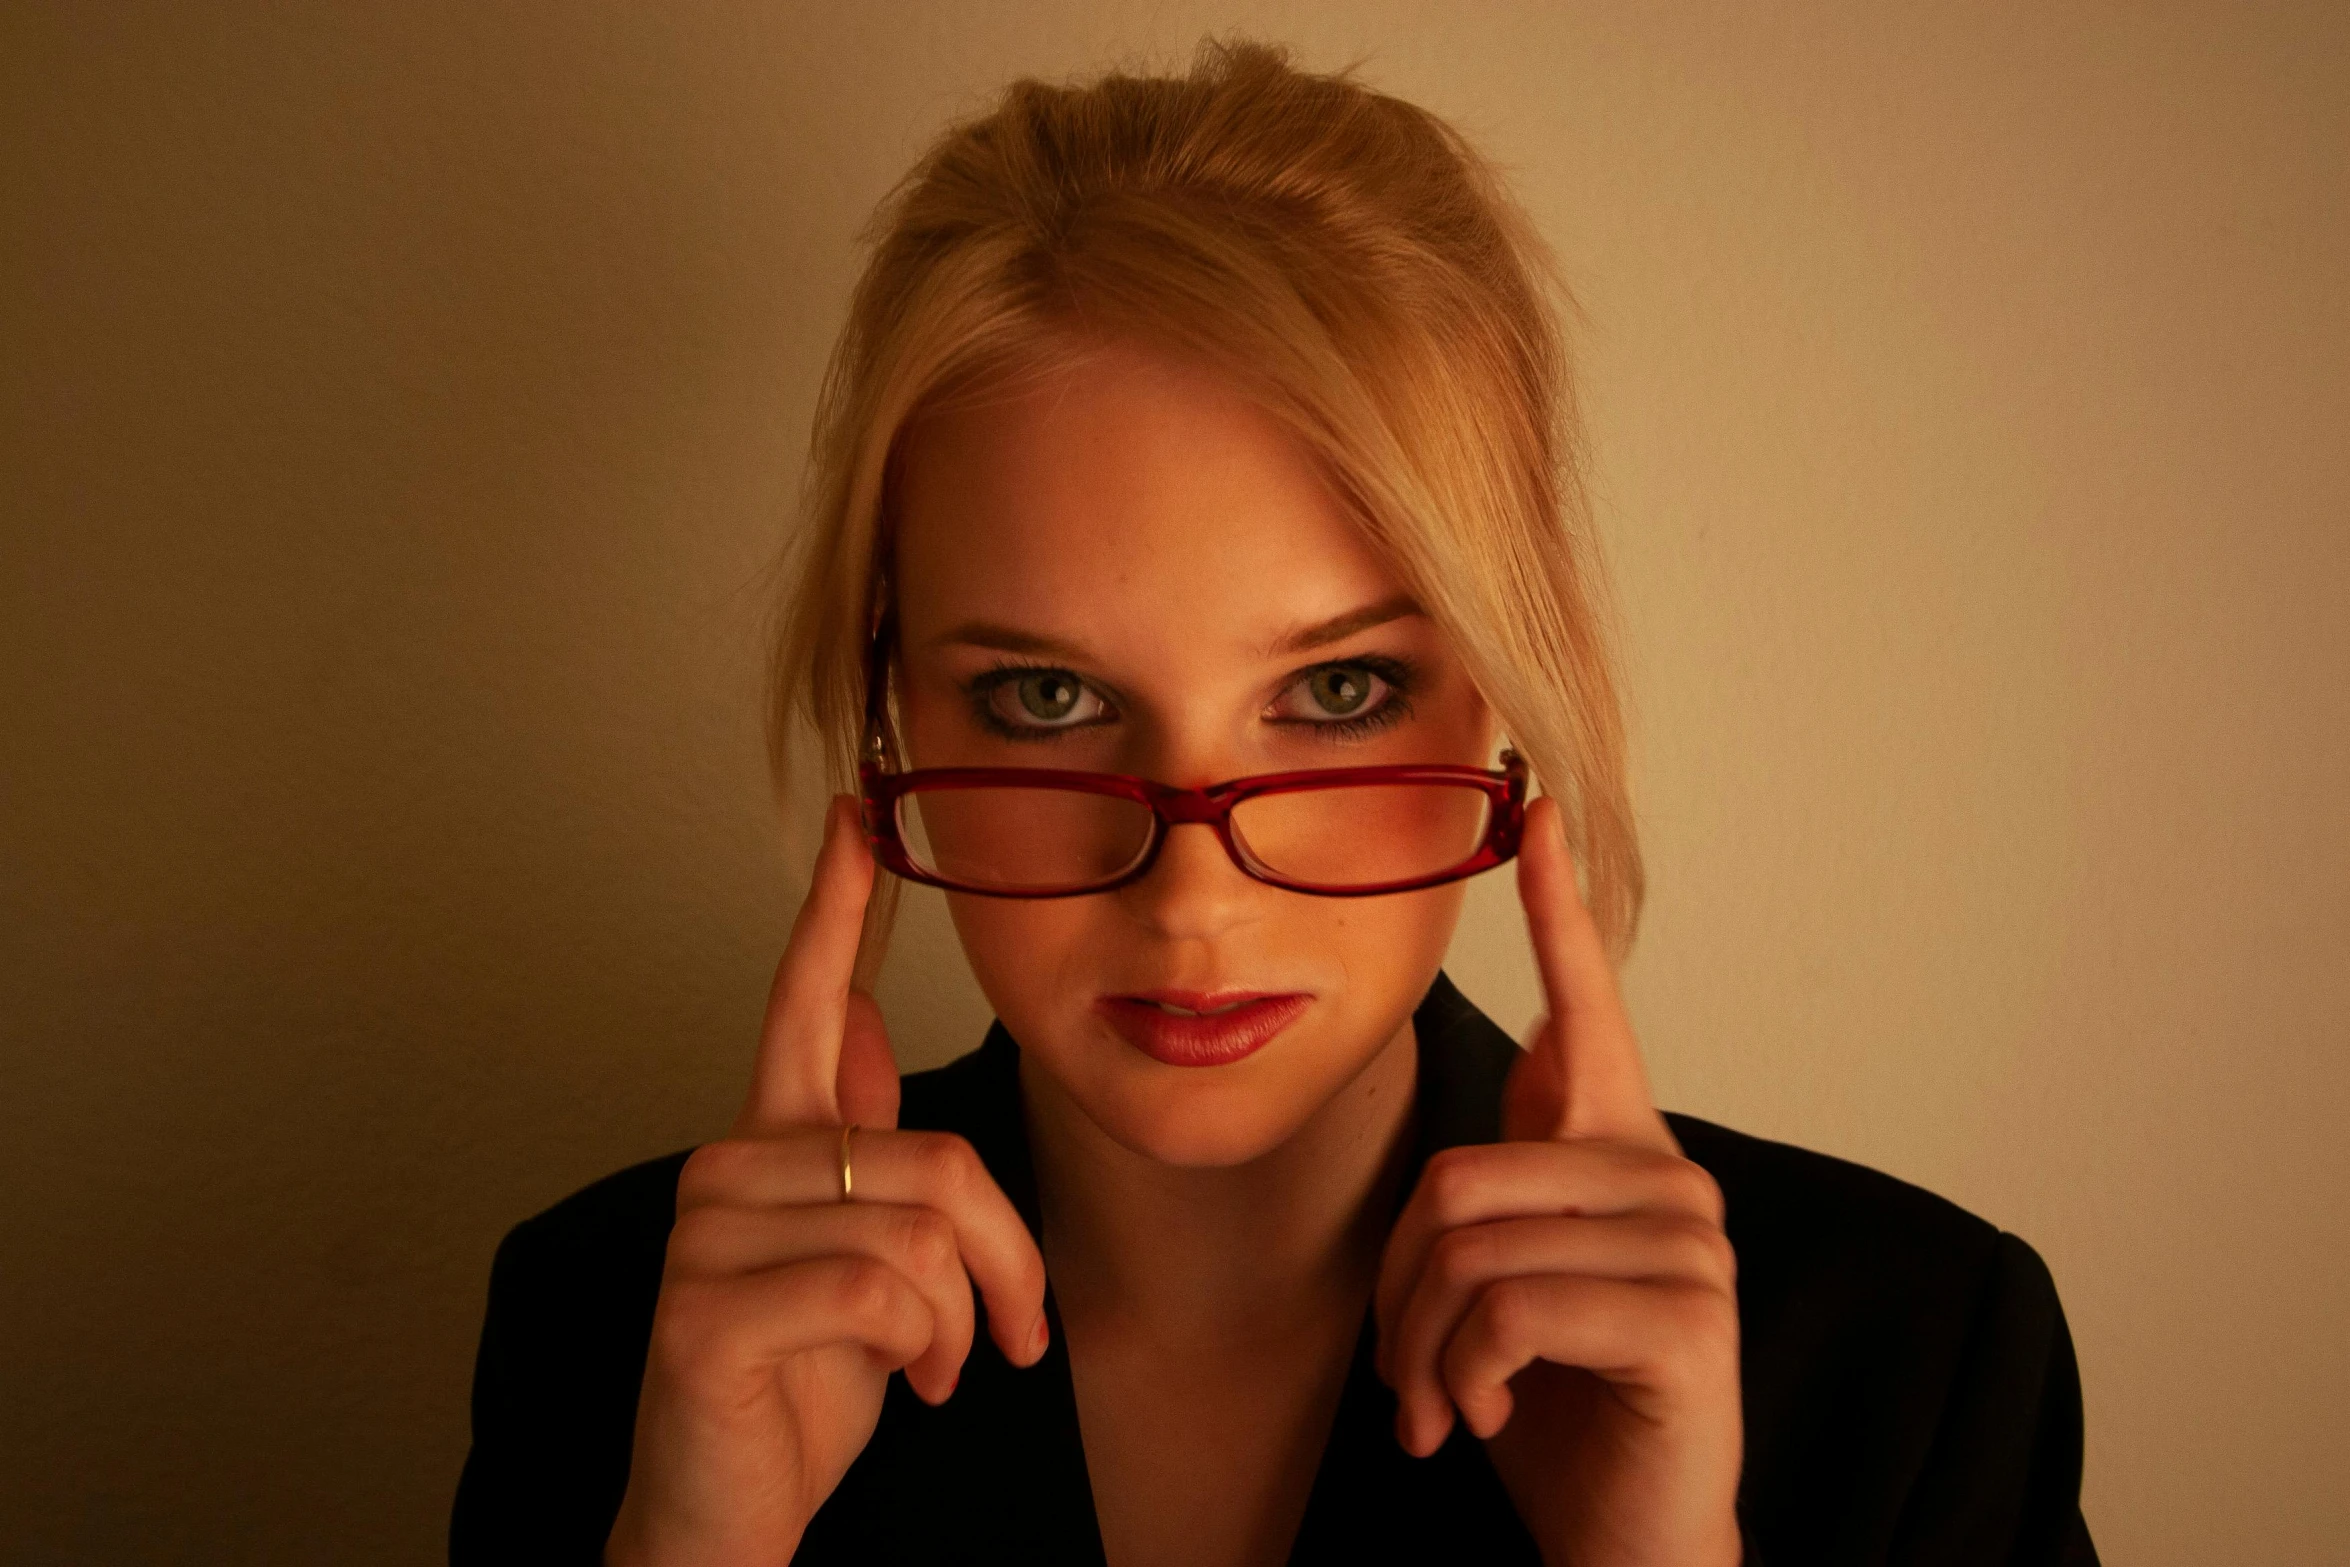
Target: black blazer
x=1910, y=1389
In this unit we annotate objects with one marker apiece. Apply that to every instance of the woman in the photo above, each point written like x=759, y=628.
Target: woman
x=1197, y=572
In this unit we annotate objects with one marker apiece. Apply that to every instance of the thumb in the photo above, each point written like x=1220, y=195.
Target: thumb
x=868, y=1082
x=1535, y=1097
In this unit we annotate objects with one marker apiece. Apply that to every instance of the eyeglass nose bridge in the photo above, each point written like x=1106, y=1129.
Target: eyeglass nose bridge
x=1183, y=807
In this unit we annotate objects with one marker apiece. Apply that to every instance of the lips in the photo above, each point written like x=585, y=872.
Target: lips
x=1201, y=1028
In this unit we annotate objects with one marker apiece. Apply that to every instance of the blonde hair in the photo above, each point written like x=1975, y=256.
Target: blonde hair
x=1345, y=256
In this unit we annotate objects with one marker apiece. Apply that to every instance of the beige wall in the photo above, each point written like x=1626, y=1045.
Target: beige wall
x=401, y=400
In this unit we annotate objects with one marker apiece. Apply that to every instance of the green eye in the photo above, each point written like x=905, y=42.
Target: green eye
x=1048, y=696
x=1346, y=700
x=1019, y=703
x=1339, y=689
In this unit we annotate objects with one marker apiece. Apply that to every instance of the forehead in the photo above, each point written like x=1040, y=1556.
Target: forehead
x=1125, y=497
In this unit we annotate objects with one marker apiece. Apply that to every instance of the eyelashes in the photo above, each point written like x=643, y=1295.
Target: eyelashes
x=1005, y=699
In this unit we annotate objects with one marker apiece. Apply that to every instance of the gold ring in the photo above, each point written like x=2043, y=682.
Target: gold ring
x=848, y=1177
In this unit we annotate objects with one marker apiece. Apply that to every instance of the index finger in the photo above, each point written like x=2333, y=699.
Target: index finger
x=1596, y=1058
x=795, y=1080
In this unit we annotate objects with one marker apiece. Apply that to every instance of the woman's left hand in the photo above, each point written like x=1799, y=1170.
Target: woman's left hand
x=1570, y=1290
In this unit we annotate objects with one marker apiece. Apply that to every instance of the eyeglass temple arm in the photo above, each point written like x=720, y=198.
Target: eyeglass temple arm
x=876, y=748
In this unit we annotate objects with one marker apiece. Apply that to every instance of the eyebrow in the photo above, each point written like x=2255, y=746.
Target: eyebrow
x=1000, y=638
x=1339, y=627
x=1007, y=639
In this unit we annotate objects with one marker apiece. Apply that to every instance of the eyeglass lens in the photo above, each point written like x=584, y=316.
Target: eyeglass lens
x=1031, y=839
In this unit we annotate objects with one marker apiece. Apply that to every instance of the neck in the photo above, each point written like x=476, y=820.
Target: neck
x=1259, y=1251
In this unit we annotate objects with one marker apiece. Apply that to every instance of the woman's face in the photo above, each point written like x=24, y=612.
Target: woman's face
x=1127, y=567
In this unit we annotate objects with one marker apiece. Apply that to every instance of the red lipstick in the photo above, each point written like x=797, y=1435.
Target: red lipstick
x=1201, y=1028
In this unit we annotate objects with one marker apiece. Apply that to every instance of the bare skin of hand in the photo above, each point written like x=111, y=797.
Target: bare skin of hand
x=1569, y=1290
x=783, y=1310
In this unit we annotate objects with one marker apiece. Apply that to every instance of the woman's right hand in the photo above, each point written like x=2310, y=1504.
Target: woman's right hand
x=783, y=1309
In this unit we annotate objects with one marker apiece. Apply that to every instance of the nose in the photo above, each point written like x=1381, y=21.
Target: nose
x=1193, y=891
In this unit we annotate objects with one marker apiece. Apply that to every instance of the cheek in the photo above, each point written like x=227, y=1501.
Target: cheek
x=1391, y=947
x=1027, y=953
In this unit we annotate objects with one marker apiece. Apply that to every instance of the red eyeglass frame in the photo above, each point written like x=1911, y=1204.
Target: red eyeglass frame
x=1211, y=806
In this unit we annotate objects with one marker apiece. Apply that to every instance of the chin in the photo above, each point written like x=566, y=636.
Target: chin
x=1206, y=1117
x=1193, y=1131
